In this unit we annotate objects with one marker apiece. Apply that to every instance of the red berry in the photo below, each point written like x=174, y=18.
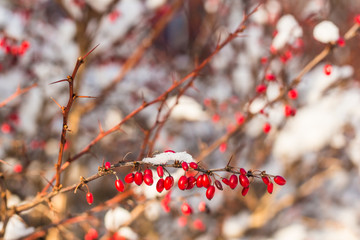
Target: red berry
x=240, y=119
x=89, y=198
x=270, y=77
x=270, y=187
x=186, y=209
x=244, y=181
x=223, y=147
x=148, y=171
x=263, y=60
x=233, y=181
x=245, y=191
x=92, y=234
x=293, y=94
x=357, y=19
x=279, y=180
x=288, y=111
x=218, y=185
x=182, y=221
x=160, y=185
x=148, y=179
x=206, y=181
x=160, y=171
x=199, y=182
x=203, y=207
x=194, y=165
x=107, y=165
x=226, y=181
x=129, y=178
x=119, y=185
x=243, y=171
x=18, y=168
x=169, y=182
x=191, y=182
x=341, y=42
x=216, y=118
x=210, y=192
x=185, y=166
x=171, y=151
x=261, y=88
x=265, y=180
x=199, y=225
x=327, y=69
x=183, y=183
x=267, y=127
x=138, y=178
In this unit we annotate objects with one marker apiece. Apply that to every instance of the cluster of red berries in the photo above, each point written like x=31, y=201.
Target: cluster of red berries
x=206, y=179
x=13, y=49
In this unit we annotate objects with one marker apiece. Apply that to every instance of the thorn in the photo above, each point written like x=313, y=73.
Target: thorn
x=123, y=160
x=229, y=160
x=62, y=108
x=63, y=80
x=82, y=58
x=85, y=97
x=100, y=127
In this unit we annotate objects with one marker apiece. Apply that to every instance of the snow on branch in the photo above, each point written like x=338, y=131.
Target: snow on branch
x=167, y=156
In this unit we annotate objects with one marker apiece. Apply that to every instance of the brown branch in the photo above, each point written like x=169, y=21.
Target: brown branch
x=65, y=113
x=18, y=92
x=144, y=105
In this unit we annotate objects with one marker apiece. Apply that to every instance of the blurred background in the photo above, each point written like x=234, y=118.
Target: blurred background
x=145, y=46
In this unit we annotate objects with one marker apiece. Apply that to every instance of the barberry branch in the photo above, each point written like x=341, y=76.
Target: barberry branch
x=19, y=91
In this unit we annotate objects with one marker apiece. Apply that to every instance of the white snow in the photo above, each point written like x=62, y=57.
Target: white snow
x=166, y=157
x=288, y=31
x=116, y=217
x=326, y=32
x=187, y=108
x=16, y=228
x=153, y=4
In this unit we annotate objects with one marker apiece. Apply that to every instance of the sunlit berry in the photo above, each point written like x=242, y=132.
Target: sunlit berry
x=138, y=178
x=89, y=198
x=341, y=42
x=148, y=179
x=183, y=183
x=245, y=191
x=92, y=234
x=185, y=166
x=206, y=181
x=233, y=181
x=169, y=151
x=199, y=181
x=265, y=180
x=186, y=209
x=266, y=127
x=210, y=192
x=270, y=187
x=107, y=165
x=292, y=94
x=160, y=171
x=119, y=185
x=328, y=69
x=191, y=182
x=160, y=185
x=243, y=171
x=240, y=118
x=129, y=178
x=261, y=88
x=223, y=147
x=169, y=182
x=193, y=165
x=148, y=171
x=244, y=181
x=279, y=180
x=18, y=168
x=270, y=77
x=225, y=181
x=357, y=19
